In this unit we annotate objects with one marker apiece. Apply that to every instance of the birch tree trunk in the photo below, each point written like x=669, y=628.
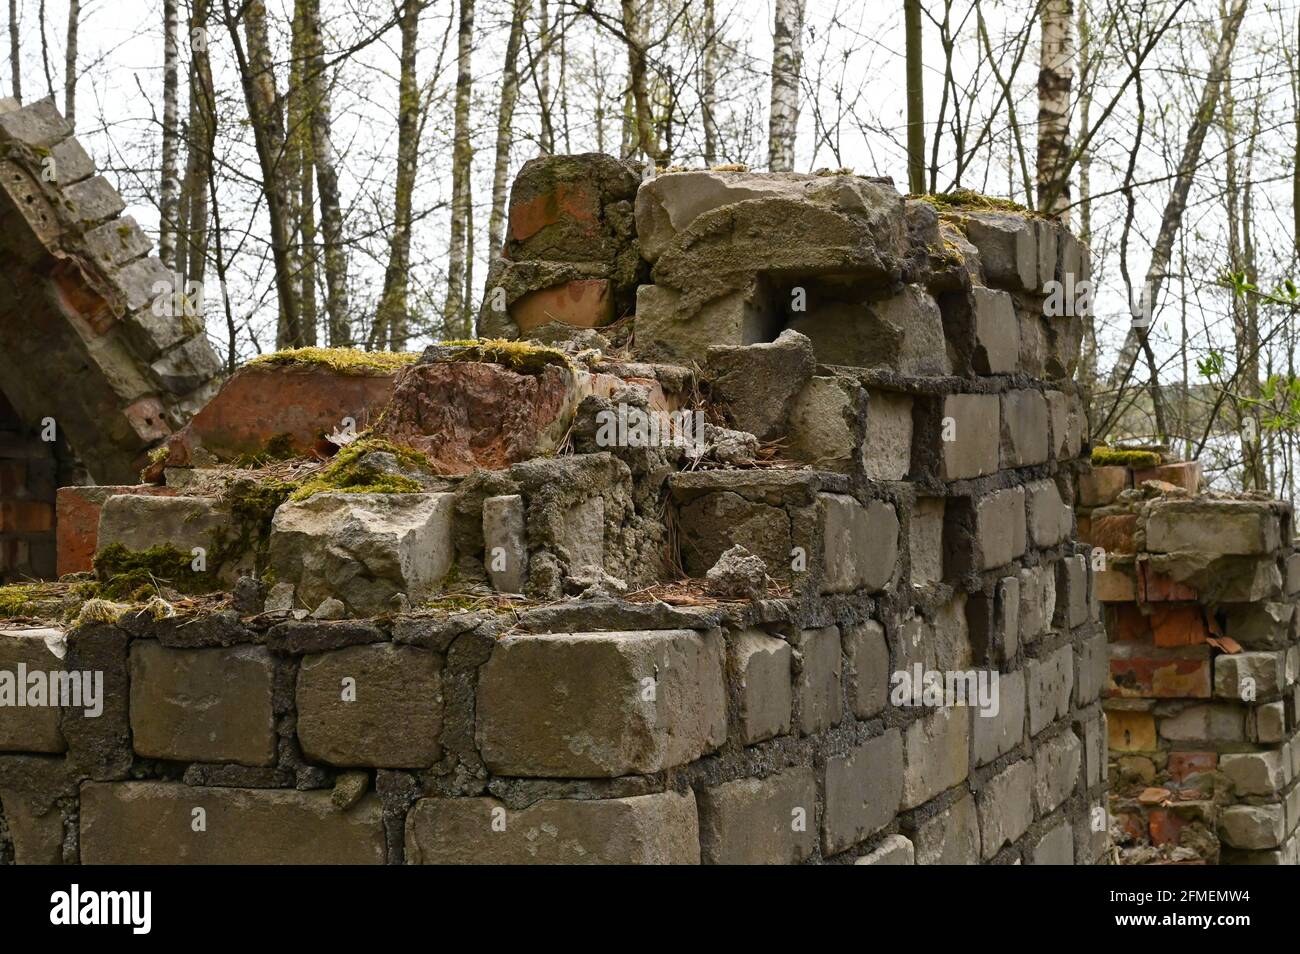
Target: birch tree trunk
x=265, y=110
x=70, y=64
x=544, y=76
x=1055, y=79
x=192, y=244
x=169, y=186
x=298, y=167
x=505, y=119
x=15, y=70
x=1088, y=360
x=1173, y=214
x=390, y=321
x=455, y=314
x=644, y=137
x=915, y=97
x=787, y=58
x=327, y=181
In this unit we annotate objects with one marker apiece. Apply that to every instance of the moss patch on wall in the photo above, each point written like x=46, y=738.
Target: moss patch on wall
x=351, y=471
x=339, y=360
x=1118, y=457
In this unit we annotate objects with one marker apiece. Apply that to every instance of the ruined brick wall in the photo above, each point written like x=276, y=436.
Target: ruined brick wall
x=558, y=642
x=1200, y=596
x=94, y=332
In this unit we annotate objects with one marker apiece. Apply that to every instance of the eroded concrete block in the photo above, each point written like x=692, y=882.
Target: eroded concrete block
x=593, y=705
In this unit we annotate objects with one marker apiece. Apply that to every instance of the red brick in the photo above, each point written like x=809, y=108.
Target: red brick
x=583, y=303
x=1126, y=623
x=1114, y=586
x=1134, y=825
x=299, y=402
x=1178, y=625
x=1166, y=826
x=147, y=420
x=1114, y=533
x=1102, y=485
x=575, y=202
x=26, y=516
x=1186, y=475
x=78, y=522
x=1085, y=529
x=1150, y=672
x=1183, y=765
x=1155, y=587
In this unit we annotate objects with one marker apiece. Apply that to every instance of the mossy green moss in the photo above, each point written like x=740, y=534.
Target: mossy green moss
x=518, y=356
x=1118, y=457
x=350, y=472
x=969, y=200
x=340, y=360
x=134, y=575
x=24, y=599
x=252, y=504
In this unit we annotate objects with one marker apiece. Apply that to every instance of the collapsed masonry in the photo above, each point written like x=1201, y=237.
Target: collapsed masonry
x=1200, y=593
x=101, y=357
x=505, y=623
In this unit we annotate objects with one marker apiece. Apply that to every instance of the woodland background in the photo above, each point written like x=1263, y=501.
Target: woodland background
x=336, y=171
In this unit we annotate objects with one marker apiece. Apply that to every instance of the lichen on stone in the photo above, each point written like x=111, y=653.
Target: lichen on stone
x=339, y=360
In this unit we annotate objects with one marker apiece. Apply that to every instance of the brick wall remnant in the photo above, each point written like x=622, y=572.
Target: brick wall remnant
x=732, y=581
x=1200, y=603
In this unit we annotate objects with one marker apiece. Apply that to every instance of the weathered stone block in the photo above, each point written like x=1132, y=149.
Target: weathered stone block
x=1050, y=518
x=997, y=733
x=1025, y=429
x=31, y=663
x=376, y=706
x=997, y=333
x=1253, y=826
x=593, y=705
x=863, y=789
x=139, y=522
x=1006, y=806
x=713, y=523
x=1242, y=527
x=759, y=384
x=817, y=686
x=937, y=750
x=1056, y=847
x=952, y=837
x=1249, y=676
x=925, y=540
x=644, y=829
x=202, y=705
x=1051, y=682
x=363, y=549
x=505, y=542
x=823, y=424
x=1037, y=601
x=892, y=850
x=154, y=823
x=1000, y=527
x=859, y=543
x=866, y=673
x=1008, y=248
x=1056, y=771
x=760, y=821
x=887, y=443
x=969, y=430
x=1256, y=773
x=760, y=666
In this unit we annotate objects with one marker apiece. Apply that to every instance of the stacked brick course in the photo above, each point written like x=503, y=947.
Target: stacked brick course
x=1200, y=595
x=891, y=431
